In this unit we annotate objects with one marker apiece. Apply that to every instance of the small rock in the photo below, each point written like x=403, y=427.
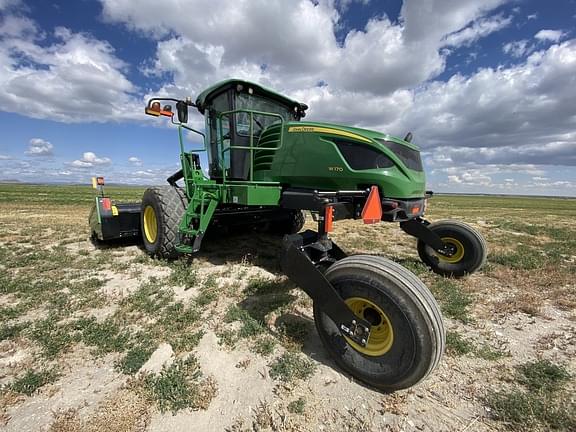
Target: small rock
x=164, y=355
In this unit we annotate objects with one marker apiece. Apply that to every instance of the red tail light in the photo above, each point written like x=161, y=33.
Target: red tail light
x=106, y=204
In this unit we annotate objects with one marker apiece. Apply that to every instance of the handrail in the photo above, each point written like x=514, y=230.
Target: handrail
x=251, y=147
x=185, y=168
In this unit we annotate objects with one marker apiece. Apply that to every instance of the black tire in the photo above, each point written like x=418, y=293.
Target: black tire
x=417, y=342
x=168, y=204
x=293, y=223
x=471, y=249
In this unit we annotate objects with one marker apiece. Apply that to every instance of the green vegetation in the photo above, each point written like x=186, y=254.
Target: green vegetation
x=179, y=386
x=133, y=360
x=52, y=337
x=543, y=404
x=149, y=298
x=250, y=326
x=454, y=302
x=32, y=381
x=209, y=291
x=297, y=406
x=458, y=345
x=542, y=375
x=10, y=331
x=295, y=331
x=523, y=257
x=264, y=345
x=291, y=366
x=106, y=336
x=183, y=274
x=64, y=194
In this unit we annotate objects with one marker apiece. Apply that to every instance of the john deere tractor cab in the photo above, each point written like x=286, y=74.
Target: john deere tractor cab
x=378, y=320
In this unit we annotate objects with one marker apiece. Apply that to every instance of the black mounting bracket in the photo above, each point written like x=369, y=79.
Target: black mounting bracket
x=303, y=256
x=418, y=228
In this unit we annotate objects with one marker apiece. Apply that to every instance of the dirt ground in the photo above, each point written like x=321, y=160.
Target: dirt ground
x=104, y=338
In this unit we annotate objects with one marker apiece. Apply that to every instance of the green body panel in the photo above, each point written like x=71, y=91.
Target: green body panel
x=250, y=194
x=308, y=158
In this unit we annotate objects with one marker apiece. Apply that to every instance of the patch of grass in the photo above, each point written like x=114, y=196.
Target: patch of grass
x=10, y=331
x=523, y=411
x=11, y=312
x=264, y=346
x=457, y=344
x=291, y=366
x=523, y=258
x=32, y=381
x=149, y=298
x=52, y=337
x=250, y=326
x=133, y=360
x=295, y=331
x=542, y=375
x=543, y=403
x=177, y=318
x=227, y=338
x=106, y=336
x=264, y=286
x=453, y=301
x=297, y=406
x=186, y=341
x=415, y=266
x=208, y=291
x=178, y=386
x=486, y=352
x=184, y=274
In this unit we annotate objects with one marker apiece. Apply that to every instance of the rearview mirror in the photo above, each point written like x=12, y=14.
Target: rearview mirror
x=182, y=109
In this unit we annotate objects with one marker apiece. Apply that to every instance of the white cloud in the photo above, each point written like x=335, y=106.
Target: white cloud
x=343, y=5
x=89, y=160
x=39, y=147
x=549, y=35
x=521, y=113
x=72, y=78
x=135, y=161
x=223, y=39
x=518, y=48
x=4, y=157
x=478, y=29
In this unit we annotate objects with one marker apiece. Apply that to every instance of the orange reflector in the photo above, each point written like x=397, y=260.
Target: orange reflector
x=106, y=204
x=328, y=218
x=372, y=211
x=415, y=210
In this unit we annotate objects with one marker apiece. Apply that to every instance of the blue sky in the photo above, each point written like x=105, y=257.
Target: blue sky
x=488, y=88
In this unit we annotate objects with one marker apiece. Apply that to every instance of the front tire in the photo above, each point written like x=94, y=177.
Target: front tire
x=469, y=249
x=407, y=335
x=162, y=210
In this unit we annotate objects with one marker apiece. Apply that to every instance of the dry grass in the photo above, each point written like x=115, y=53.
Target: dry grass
x=58, y=293
x=125, y=411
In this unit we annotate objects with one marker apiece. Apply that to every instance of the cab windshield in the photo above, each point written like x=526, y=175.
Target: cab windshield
x=258, y=103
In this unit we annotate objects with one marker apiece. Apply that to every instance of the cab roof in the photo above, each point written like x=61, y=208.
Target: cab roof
x=210, y=93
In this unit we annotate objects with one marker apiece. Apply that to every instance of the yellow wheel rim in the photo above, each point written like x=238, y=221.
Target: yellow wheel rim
x=381, y=333
x=150, y=224
x=458, y=254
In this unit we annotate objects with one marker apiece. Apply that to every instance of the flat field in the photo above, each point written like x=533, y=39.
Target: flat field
x=104, y=338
